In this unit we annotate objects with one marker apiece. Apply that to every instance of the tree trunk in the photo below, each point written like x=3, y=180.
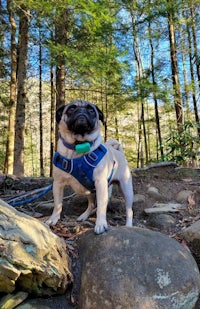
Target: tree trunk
x=40, y=107
x=186, y=92
x=21, y=93
x=61, y=38
x=196, y=53
x=60, y=82
x=193, y=81
x=139, y=70
x=116, y=127
x=197, y=62
x=154, y=94
x=13, y=86
x=175, y=76
x=52, y=129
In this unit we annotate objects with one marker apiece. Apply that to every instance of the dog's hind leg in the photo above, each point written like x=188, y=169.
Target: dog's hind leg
x=127, y=190
x=91, y=205
x=110, y=189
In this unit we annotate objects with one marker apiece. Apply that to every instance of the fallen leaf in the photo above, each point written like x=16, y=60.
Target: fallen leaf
x=191, y=200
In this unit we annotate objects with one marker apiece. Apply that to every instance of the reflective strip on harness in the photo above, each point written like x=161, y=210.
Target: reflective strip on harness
x=82, y=168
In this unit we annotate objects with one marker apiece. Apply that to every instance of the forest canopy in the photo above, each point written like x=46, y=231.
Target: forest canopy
x=139, y=61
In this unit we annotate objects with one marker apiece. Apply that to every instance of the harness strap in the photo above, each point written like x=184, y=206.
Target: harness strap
x=82, y=168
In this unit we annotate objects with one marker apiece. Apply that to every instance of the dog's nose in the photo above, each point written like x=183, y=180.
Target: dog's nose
x=81, y=117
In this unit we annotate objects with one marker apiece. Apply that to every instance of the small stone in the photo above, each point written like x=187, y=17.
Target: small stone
x=182, y=196
x=154, y=193
x=192, y=233
x=45, y=208
x=161, y=221
x=139, y=198
x=163, y=208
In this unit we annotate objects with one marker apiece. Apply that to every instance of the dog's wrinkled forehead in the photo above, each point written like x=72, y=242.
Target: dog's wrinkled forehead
x=67, y=109
x=81, y=103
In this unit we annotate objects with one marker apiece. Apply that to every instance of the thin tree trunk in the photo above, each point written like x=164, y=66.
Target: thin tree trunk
x=40, y=108
x=196, y=53
x=139, y=69
x=175, y=75
x=154, y=94
x=185, y=79
x=116, y=128
x=197, y=62
x=139, y=147
x=60, y=82
x=144, y=133
x=13, y=86
x=21, y=94
x=52, y=129
x=193, y=81
x=106, y=110
x=61, y=38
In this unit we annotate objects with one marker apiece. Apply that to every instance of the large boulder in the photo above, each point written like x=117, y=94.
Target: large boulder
x=136, y=268
x=32, y=258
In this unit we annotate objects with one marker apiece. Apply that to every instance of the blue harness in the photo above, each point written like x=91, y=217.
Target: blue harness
x=82, y=168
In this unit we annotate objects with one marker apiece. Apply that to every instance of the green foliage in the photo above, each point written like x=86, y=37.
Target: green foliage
x=182, y=147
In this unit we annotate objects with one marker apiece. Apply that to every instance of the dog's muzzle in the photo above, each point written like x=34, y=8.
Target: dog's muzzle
x=81, y=124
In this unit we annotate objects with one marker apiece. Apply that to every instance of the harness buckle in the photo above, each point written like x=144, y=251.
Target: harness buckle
x=65, y=164
x=92, y=156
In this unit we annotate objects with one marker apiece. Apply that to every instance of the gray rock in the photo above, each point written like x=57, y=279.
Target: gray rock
x=163, y=208
x=32, y=258
x=192, y=232
x=161, y=221
x=45, y=208
x=139, y=198
x=182, y=196
x=154, y=193
x=192, y=235
x=136, y=268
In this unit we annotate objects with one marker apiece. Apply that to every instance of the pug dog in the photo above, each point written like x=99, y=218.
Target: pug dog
x=88, y=166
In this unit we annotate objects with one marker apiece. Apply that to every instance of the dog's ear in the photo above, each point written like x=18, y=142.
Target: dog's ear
x=59, y=113
x=101, y=115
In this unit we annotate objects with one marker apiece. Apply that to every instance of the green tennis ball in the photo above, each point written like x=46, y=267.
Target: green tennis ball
x=81, y=148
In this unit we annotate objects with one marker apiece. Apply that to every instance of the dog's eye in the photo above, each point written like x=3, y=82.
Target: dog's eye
x=71, y=109
x=90, y=109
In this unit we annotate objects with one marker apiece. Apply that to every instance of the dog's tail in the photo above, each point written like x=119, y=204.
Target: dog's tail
x=115, y=144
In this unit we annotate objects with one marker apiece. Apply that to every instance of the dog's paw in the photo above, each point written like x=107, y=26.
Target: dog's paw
x=52, y=220
x=101, y=228
x=83, y=217
x=129, y=222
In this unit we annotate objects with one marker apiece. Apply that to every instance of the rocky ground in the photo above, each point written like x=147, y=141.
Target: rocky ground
x=158, y=189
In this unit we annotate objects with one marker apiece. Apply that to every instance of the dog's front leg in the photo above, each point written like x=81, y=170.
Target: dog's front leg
x=91, y=205
x=102, y=202
x=58, y=191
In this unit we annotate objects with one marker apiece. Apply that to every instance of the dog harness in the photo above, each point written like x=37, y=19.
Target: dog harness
x=82, y=168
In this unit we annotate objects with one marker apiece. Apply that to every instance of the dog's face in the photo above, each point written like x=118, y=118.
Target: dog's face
x=80, y=117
